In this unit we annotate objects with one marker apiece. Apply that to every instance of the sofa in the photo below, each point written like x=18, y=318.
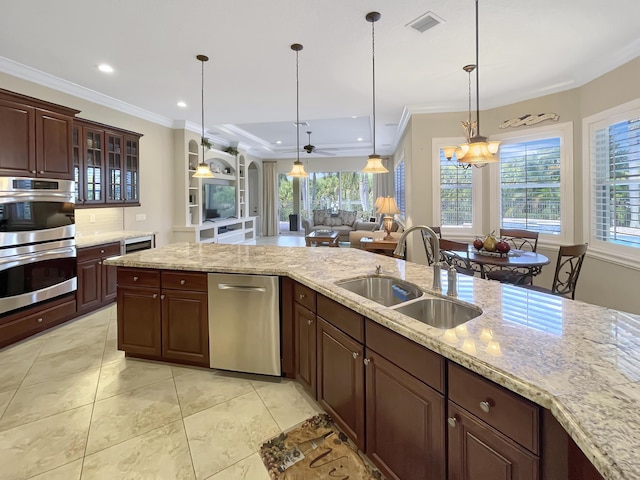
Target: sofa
x=342, y=221
x=359, y=234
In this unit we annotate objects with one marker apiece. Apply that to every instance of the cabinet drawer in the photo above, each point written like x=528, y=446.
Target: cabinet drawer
x=505, y=411
x=305, y=296
x=99, y=251
x=350, y=322
x=140, y=277
x=34, y=320
x=195, y=282
x=417, y=360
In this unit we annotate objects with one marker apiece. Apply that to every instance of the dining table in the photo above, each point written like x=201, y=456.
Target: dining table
x=524, y=262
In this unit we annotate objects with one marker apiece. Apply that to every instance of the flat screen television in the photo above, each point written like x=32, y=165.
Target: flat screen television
x=219, y=201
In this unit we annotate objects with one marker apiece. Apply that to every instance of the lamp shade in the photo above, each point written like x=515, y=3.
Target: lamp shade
x=478, y=151
x=203, y=171
x=297, y=170
x=388, y=206
x=374, y=165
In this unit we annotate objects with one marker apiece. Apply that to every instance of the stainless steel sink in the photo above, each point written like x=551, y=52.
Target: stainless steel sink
x=386, y=291
x=439, y=312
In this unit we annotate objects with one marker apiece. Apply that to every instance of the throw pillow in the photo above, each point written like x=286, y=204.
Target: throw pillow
x=334, y=221
x=319, y=216
x=348, y=217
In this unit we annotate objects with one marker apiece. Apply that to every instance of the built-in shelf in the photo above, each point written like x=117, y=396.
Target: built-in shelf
x=229, y=231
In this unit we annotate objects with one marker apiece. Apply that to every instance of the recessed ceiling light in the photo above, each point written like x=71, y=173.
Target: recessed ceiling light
x=103, y=67
x=278, y=142
x=182, y=104
x=359, y=139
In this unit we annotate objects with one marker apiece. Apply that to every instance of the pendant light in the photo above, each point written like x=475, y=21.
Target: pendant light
x=374, y=163
x=203, y=170
x=297, y=170
x=477, y=151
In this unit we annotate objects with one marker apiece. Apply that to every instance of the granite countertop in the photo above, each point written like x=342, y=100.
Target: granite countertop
x=580, y=361
x=90, y=240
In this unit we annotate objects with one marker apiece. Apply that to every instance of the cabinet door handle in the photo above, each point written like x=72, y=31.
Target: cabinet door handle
x=452, y=421
x=135, y=279
x=309, y=322
x=367, y=361
x=39, y=320
x=33, y=171
x=355, y=354
x=101, y=251
x=162, y=297
x=99, y=263
x=302, y=295
x=41, y=172
x=182, y=282
x=155, y=295
x=485, y=406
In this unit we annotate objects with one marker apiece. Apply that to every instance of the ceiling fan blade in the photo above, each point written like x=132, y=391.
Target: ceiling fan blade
x=324, y=153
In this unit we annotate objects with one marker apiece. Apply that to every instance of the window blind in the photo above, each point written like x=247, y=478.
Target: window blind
x=456, y=206
x=615, y=173
x=530, y=185
x=398, y=180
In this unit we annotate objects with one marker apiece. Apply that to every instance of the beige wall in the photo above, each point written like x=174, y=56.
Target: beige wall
x=603, y=283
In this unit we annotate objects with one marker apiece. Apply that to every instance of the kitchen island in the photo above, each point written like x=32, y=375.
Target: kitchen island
x=579, y=361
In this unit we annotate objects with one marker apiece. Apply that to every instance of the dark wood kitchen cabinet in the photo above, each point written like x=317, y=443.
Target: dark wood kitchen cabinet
x=493, y=433
x=405, y=413
x=97, y=283
x=304, y=331
x=106, y=165
x=340, y=369
x=35, y=137
x=163, y=315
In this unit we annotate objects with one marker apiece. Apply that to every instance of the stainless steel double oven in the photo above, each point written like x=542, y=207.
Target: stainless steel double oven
x=37, y=241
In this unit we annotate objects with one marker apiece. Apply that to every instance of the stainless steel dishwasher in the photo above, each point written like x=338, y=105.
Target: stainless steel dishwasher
x=244, y=323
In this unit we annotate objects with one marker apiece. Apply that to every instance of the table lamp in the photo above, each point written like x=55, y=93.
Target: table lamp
x=388, y=207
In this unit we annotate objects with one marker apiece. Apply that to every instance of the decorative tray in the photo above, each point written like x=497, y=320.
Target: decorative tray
x=487, y=253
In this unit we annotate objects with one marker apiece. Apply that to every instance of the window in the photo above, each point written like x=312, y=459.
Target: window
x=614, y=180
x=532, y=187
x=457, y=196
x=398, y=181
x=328, y=190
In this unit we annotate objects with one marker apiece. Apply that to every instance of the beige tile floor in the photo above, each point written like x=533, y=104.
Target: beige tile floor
x=73, y=407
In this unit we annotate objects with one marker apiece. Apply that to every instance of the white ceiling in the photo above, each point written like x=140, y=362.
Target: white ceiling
x=527, y=49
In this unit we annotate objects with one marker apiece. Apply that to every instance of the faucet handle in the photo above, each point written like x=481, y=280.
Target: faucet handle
x=378, y=269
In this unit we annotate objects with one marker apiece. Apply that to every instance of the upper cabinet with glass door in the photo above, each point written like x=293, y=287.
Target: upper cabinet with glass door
x=106, y=165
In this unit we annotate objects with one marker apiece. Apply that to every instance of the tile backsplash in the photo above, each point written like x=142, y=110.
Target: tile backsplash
x=98, y=220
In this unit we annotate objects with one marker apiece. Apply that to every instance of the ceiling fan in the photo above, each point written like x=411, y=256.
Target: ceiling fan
x=309, y=148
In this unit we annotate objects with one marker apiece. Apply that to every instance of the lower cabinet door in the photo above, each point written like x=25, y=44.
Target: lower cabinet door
x=405, y=423
x=341, y=380
x=109, y=283
x=139, y=325
x=305, y=347
x=479, y=452
x=89, y=285
x=185, y=326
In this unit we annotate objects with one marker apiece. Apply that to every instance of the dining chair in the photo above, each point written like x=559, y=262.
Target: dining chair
x=519, y=240
x=568, y=266
x=427, y=243
x=448, y=255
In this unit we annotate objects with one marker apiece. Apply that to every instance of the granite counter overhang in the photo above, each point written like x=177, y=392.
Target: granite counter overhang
x=580, y=361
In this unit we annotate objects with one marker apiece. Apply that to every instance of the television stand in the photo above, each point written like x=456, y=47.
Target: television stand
x=230, y=231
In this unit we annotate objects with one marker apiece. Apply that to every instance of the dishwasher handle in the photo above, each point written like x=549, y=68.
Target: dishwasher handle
x=240, y=288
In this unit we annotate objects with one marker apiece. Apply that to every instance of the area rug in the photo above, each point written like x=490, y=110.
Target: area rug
x=315, y=449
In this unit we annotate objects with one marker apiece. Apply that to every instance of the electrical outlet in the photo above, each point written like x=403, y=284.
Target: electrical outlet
x=92, y=218
x=140, y=217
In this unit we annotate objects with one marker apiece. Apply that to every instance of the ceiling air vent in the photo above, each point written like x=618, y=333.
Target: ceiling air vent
x=425, y=22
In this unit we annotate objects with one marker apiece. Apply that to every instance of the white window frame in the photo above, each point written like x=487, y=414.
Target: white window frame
x=565, y=132
x=404, y=186
x=614, y=253
x=476, y=193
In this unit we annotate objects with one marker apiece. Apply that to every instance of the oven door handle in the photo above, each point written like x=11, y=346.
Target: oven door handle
x=24, y=259
x=38, y=197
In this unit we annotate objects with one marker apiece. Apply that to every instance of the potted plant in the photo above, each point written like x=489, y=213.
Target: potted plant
x=232, y=150
x=206, y=143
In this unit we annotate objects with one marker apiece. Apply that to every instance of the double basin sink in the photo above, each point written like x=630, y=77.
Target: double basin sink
x=408, y=299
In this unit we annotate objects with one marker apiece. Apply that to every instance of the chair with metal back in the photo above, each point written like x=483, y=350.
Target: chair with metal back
x=427, y=244
x=519, y=240
x=448, y=255
x=568, y=266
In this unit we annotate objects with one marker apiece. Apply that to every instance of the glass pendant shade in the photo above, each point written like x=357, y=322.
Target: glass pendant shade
x=374, y=165
x=297, y=170
x=203, y=171
x=477, y=151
